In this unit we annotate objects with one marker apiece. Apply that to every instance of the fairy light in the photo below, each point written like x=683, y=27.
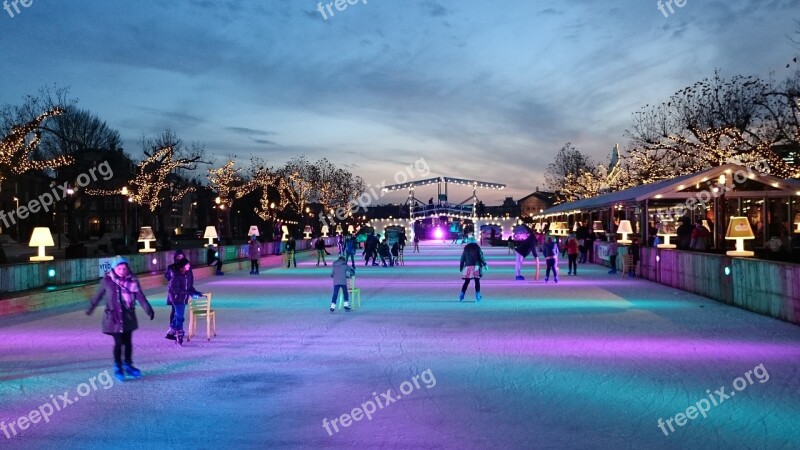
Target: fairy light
x=16, y=148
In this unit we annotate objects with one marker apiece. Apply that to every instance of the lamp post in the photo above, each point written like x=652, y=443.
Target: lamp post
x=124, y=193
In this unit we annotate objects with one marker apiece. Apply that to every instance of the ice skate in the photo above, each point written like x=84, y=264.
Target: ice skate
x=478, y=297
x=131, y=371
x=118, y=373
x=347, y=307
x=170, y=334
x=461, y=297
x=333, y=307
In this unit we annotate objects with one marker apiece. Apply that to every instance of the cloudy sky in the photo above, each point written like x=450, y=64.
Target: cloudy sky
x=480, y=89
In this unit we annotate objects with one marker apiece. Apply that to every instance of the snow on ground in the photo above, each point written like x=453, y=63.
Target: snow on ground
x=593, y=362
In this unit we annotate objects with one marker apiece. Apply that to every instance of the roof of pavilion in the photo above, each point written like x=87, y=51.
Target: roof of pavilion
x=663, y=189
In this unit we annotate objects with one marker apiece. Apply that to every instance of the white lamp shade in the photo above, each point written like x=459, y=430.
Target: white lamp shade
x=41, y=237
x=625, y=227
x=146, y=234
x=739, y=227
x=211, y=232
x=307, y=229
x=598, y=226
x=253, y=231
x=667, y=228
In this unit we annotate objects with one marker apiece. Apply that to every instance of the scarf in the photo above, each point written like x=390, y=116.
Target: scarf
x=129, y=286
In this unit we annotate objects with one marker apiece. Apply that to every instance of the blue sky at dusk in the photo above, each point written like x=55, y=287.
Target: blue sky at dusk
x=486, y=90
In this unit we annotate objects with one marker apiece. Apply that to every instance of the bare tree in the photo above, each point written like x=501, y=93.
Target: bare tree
x=566, y=169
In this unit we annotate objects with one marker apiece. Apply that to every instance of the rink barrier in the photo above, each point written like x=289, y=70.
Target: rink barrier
x=771, y=288
x=77, y=279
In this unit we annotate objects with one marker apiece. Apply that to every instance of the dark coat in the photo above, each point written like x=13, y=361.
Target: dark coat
x=472, y=256
x=171, y=271
x=181, y=286
x=118, y=318
x=291, y=245
x=254, y=249
x=527, y=246
x=320, y=244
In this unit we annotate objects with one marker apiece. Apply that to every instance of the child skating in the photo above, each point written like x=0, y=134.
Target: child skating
x=340, y=273
x=119, y=321
x=550, y=255
x=180, y=287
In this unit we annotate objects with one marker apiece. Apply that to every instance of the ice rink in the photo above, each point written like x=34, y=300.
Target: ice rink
x=592, y=362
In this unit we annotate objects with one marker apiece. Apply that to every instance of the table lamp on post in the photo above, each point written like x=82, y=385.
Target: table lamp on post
x=597, y=227
x=739, y=229
x=665, y=230
x=146, y=235
x=624, y=229
x=797, y=223
x=210, y=234
x=253, y=231
x=41, y=238
x=307, y=231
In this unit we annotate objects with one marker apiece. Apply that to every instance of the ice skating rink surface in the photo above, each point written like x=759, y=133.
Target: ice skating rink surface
x=592, y=362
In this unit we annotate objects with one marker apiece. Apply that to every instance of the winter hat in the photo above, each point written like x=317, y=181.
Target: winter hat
x=182, y=262
x=119, y=260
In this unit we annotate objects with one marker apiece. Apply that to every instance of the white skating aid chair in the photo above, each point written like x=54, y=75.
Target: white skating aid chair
x=199, y=308
x=353, y=292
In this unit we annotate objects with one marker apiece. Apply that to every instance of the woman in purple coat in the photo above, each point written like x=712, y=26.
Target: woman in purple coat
x=121, y=290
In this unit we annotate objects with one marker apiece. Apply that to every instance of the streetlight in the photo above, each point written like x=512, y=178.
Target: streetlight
x=16, y=199
x=124, y=193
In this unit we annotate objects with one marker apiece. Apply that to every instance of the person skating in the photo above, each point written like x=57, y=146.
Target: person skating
x=416, y=244
x=550, y=254
x=213, y=259
x=385, y=252
x=521, y=251
x=291, y=247
x=340, y=273
x=254, y=251
x=471, y=267
x=572, y=254
x=402, y=240
x=511, y=244
x=121, y=290
x=350, y=249
x=340, y=243
x=320, y=246
x=371, y=250
x=180, y=288
x=168, y=275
